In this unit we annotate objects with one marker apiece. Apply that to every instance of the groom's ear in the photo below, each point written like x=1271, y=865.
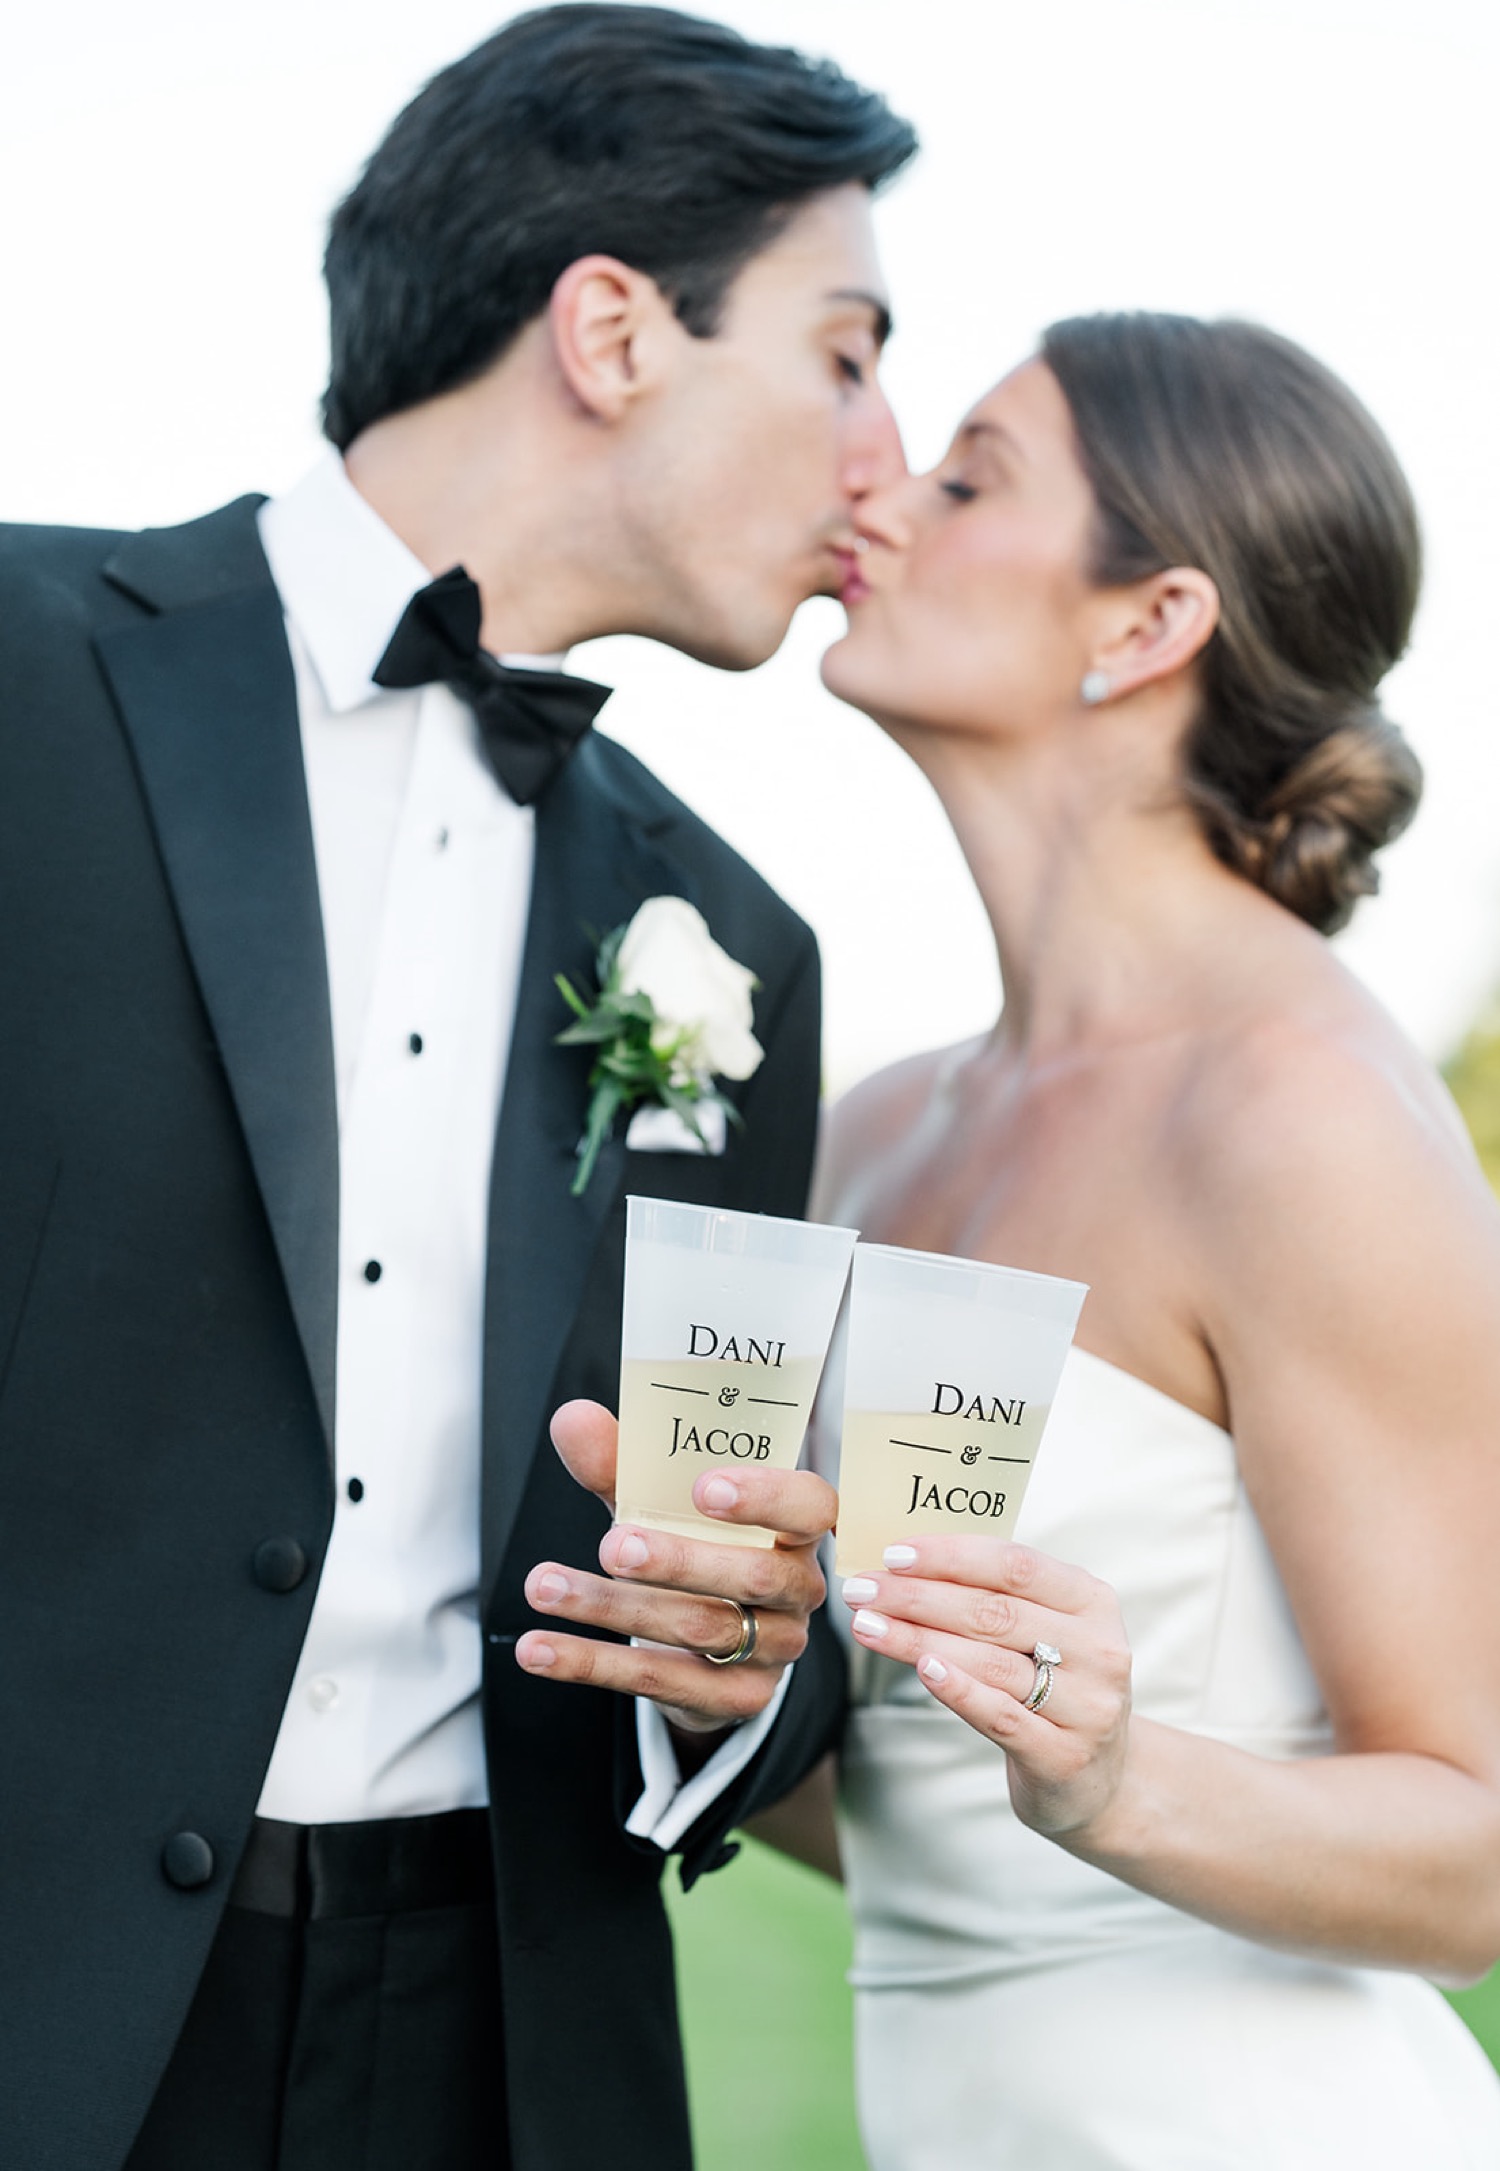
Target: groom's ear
x=610, y=328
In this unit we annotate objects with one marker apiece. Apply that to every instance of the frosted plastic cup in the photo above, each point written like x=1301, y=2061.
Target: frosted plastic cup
x=951, y=1369
x=727, y=1320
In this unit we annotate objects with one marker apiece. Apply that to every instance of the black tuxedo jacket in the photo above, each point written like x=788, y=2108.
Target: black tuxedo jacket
x=168, y=1229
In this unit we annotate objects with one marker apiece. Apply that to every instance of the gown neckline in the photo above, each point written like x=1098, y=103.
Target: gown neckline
x=1144, y=1386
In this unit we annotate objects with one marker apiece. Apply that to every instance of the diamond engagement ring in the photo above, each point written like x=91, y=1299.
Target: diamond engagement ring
x=1044, y=1656
x=745, y=1648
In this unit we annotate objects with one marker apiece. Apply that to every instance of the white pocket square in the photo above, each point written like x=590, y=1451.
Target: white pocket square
x=662, y=1130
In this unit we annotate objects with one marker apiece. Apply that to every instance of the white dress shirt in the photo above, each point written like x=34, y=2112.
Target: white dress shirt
x=424, y=871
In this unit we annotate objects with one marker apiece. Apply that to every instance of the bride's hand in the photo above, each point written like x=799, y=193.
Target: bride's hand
x=968, y=1613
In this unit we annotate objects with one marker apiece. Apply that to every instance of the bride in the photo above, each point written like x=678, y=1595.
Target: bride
x=1132, y=629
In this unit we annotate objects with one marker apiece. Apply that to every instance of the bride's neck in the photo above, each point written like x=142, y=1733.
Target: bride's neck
x=1099, y=885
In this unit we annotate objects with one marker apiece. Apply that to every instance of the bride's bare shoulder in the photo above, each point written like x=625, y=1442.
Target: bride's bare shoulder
x=863, y=1122
x=1316, y=1094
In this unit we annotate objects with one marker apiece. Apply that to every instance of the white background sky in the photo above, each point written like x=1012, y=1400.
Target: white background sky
x=1329, y=166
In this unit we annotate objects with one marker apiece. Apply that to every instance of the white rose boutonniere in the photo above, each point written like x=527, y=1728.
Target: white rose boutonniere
x=672, y=1013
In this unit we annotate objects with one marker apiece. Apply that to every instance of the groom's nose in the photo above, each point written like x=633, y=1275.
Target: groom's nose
x=882, y=515
x=873, y=454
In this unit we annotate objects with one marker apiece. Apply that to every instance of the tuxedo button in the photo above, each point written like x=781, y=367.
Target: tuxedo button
x=187, y=1861
x=279, y=1564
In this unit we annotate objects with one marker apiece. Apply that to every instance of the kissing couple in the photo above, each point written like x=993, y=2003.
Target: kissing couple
x=347, y=1739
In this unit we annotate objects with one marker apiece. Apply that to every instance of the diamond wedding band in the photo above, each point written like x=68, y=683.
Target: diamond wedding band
x=1044, y=1656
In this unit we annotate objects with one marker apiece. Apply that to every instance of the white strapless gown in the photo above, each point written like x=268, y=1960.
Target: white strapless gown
x=1018, y=2010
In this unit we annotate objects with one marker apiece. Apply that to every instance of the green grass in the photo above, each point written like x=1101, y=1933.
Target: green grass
x=762, y=1948
x=1473, y=1076
x=1480, y=2007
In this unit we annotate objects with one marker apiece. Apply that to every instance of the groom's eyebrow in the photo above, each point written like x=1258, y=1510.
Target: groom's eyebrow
x=878, y=307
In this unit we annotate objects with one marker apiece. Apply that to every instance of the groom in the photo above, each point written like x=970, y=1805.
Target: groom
x=299, y=1867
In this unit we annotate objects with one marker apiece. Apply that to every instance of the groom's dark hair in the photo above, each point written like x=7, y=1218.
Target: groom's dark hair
x=669, y=142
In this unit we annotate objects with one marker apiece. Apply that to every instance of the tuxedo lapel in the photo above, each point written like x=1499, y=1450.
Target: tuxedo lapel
x=206, y=692
x=594, y=868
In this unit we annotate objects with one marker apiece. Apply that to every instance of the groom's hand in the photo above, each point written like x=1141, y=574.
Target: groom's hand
x=669, y=1591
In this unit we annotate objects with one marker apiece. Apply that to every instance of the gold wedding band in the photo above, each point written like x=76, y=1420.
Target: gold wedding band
x=745, y=1648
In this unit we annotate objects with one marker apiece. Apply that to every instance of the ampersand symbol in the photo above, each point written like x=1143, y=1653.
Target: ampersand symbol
x=728, y=1396
x=970, y=1455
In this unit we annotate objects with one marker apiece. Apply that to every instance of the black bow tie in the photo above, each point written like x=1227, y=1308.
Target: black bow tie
x=529, y=721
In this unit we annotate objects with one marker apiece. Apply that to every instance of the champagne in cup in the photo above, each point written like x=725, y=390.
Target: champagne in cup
x=952, y=1366
x=727, y=1323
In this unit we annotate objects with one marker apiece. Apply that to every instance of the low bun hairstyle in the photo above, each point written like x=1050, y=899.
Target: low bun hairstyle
x=1225, y=447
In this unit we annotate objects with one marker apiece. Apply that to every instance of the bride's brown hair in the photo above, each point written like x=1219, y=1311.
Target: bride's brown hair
x=1226, y=447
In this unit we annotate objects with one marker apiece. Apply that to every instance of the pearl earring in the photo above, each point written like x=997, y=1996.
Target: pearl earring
x=1095, y=688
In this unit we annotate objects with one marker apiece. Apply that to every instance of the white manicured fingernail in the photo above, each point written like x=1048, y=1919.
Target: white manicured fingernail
x=552, y=1586
x=871, y=1624
x=857, y=1588
x=933, y=1670
x=900, y=1556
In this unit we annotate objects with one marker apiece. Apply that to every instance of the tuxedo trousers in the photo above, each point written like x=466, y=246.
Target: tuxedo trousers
x=349, y=2016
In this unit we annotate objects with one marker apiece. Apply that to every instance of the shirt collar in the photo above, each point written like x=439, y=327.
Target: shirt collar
x=344, y=579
